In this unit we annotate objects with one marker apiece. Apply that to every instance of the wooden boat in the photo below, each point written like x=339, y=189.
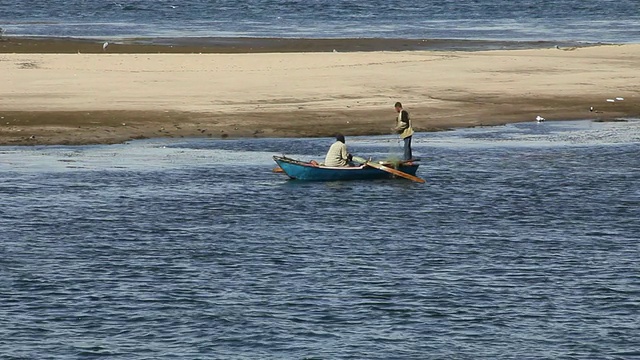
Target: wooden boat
x=312, y=171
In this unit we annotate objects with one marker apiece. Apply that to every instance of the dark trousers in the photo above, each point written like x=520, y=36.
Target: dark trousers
x=407, y=148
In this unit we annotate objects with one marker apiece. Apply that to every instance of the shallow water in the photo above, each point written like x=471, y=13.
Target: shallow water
x=523, y=243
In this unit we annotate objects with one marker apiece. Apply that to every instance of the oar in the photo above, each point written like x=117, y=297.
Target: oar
x=388, y=169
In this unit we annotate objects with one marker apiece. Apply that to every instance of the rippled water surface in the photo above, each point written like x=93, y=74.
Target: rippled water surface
x=523, y=243
x=529, y=20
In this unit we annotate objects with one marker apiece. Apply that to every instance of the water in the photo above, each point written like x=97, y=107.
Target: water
x=531, y=20
x=523, y=243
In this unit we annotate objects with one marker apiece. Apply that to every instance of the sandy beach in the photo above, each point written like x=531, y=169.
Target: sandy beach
x=93, y=96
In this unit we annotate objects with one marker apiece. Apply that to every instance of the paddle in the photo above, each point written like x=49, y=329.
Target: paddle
x=388, y=169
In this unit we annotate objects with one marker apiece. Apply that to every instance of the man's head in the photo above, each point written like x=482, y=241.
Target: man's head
x=340, y=138
x=398, y=106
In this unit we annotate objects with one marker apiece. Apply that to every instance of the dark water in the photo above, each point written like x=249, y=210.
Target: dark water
x=531, y=20
x=522, y=244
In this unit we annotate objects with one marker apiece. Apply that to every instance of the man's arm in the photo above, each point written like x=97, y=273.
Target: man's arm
x=343, y=153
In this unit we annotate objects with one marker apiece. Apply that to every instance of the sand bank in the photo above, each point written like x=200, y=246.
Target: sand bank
x=234, y=45
x=108, y=97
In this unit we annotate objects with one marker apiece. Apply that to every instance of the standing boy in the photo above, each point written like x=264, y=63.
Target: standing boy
x=403, y=127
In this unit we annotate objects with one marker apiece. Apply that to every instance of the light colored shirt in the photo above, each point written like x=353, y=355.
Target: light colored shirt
x=404, y=128
x=337, y=155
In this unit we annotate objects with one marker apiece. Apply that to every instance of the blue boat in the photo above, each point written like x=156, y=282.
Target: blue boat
x=312, y=171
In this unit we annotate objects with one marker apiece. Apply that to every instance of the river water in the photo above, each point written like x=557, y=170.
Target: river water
x=519, y=20
x=523, y=243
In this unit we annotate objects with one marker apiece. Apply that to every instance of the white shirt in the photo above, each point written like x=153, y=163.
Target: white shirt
x=337, y=155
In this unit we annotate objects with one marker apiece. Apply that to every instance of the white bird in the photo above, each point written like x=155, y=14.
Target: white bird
x=104, y=46
x=539, y=118
x=591, y=109
x=619, y=98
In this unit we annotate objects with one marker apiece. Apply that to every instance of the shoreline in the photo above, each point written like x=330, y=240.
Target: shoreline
x=60, y=96
x=239, y=45
x=28, y=128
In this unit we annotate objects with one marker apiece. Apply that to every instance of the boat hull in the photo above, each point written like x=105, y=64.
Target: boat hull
x=309, y=172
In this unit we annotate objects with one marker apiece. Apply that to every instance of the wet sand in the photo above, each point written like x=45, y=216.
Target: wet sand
x=234, y=45
x=55, y=95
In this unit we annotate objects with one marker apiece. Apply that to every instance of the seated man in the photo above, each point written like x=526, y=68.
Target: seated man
x=338, y=155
